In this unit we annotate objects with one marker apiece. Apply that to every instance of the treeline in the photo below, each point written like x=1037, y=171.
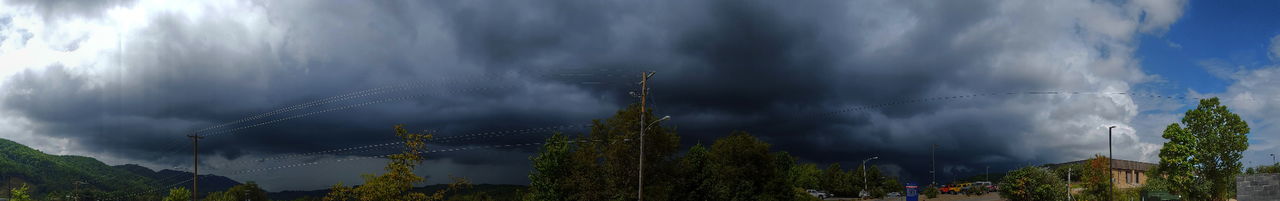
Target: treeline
x=48, y=176
x=1198, y=162
x=604, y=165
x=1263, y=169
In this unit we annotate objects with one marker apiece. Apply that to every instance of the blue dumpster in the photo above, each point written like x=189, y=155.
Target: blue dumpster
x=913, y=192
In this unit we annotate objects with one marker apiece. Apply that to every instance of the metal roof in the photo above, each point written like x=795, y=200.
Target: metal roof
x=1118, y=164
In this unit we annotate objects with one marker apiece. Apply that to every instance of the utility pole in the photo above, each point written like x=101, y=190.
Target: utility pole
x=933, y=175
x=1110, y=172
x=644, y=92
x=195, y=164
x=1068, y=183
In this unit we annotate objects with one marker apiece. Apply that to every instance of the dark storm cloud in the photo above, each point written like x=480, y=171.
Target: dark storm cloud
x=762, y=66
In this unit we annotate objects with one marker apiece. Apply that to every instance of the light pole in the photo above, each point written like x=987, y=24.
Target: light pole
x=1068, y=183
x=933, y=165
x=864, y=173
x=640, y=189
x=1110, y=173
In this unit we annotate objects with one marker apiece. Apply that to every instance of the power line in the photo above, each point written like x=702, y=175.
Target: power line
x=447, y=139
x=353, y=158
x=381, y=90
x=352, y=95
x=215, y=133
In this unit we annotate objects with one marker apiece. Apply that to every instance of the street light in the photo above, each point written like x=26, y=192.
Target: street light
x=1110, y=158
x=864, y=173
x=640, y=188
x=933, y=165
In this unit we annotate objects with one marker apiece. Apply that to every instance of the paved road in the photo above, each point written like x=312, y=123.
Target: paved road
x=987, y=197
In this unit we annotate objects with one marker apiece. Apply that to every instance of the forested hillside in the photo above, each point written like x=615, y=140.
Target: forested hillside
x=61, y=176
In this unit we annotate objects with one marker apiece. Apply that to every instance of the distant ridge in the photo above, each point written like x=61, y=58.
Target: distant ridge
x=84, y=176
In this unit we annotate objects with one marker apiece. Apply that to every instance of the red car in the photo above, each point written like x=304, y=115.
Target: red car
x=949, y=189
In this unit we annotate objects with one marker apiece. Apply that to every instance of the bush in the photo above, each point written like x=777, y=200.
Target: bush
x=1032, y=184
x=20, y=193
x=975, y=190
x=802, y=195
x=931, y=192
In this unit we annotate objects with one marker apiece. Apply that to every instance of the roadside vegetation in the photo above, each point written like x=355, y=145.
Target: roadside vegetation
x=1264, y=169
x=601, y=165
x=1199, y=162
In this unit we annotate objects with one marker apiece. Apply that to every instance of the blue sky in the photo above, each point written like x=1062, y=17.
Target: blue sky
x=1235, y=32
x=1214, y=37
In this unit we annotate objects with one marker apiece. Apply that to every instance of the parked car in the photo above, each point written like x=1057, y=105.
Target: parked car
x=948, y=189
x=893, y=194
x=819, y=194
x=988, y=185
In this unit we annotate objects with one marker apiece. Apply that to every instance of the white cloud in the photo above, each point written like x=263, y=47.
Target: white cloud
x=1254, y=95
x=1044, y=46
x=1275, y=48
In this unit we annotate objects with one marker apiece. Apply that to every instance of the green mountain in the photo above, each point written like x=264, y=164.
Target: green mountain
x=61, y=175
x=54, y=176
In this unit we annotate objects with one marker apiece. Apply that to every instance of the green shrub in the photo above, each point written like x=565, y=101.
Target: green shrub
x=20, y=193
x=1032, y=184
x=802, y=195
x=975, y=190
x=931, y=192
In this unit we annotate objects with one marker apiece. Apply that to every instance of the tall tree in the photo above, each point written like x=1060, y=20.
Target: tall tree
x=604, y=165
x=550, y=171
x=247, y=191
x=872, y=179
x=745, y=170
x=20, y=193
x=805, y=176
x=1097, y=184
x=694, y=175
x=399, y=179
x=1203, y=153
x=178, y=194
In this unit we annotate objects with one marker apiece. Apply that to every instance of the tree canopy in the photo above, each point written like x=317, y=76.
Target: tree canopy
x=1203, y=153
x=602, y=165
x=399, y=179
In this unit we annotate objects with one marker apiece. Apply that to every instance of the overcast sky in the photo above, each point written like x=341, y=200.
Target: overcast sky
x=125, y=81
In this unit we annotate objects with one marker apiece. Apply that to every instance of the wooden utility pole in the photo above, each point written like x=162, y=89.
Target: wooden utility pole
x=195, y=164
x=76, y=194
x=644, y=92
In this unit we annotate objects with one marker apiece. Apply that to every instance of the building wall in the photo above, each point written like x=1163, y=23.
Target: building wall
x=1258, y=187
x=1129, y=178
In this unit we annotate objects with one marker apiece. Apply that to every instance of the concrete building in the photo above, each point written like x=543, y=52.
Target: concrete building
x=1126, y=173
